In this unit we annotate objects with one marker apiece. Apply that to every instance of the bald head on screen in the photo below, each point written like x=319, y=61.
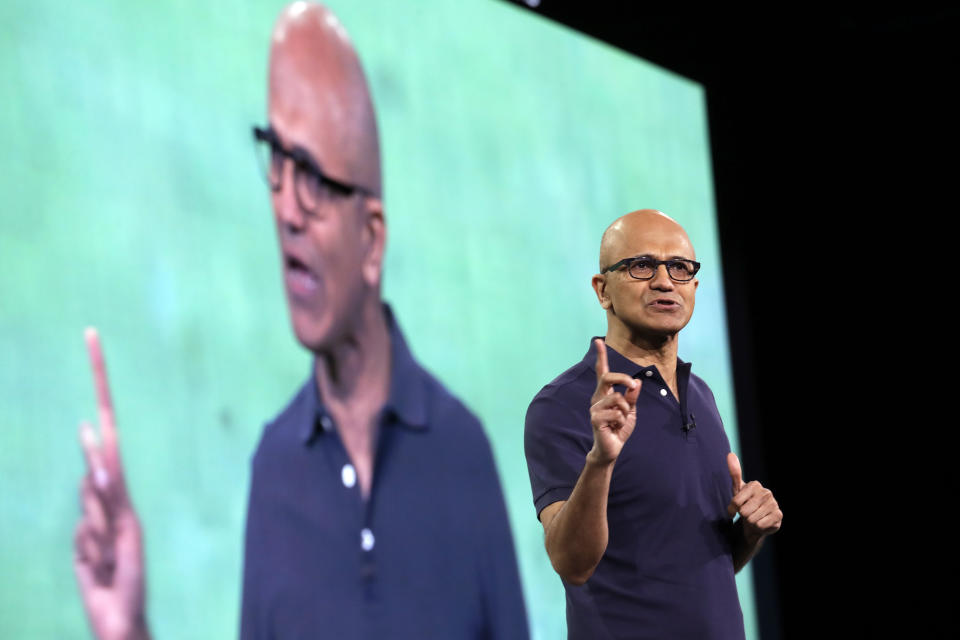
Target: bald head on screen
x=327, y=201
x=318, y=94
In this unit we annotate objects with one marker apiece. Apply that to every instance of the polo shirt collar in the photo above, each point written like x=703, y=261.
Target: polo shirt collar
x=406, y=403
x=619, y=363
x=408, y=399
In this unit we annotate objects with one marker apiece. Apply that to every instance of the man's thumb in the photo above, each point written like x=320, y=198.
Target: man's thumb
x=736, y=475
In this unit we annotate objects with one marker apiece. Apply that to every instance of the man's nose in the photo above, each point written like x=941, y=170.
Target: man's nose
x=661, y=279
x=285, y=204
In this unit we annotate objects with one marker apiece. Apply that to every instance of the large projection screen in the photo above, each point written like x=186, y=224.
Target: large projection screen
x=133, y=202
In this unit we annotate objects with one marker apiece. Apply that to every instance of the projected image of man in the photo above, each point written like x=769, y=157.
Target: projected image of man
x=632, y=474
x=375, y=510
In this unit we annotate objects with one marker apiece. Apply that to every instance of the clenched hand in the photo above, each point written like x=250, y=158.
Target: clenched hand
x=757, y=507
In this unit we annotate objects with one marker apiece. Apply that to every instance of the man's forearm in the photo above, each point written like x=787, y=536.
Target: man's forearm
x=577, y=536
x=744, y=547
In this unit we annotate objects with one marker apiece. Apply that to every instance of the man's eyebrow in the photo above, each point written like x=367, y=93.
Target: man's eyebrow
x=302, y=155
x=297, y=151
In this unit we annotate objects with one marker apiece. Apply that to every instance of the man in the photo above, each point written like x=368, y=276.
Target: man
x=632, y=475
x=375, y=510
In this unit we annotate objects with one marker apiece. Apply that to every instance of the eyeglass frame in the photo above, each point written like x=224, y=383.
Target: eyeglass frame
x=302, y=161
x=627, y=262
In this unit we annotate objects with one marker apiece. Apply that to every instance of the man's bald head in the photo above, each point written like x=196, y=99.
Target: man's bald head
x=645, y=310
x=645, y=226
x=319, y=97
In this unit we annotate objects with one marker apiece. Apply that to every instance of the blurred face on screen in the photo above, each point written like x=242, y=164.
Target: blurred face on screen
x=325, y=174
x=660, y=306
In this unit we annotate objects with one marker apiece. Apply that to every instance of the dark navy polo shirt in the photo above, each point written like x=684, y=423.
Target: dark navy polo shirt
x=428, y=555
x=668, y=570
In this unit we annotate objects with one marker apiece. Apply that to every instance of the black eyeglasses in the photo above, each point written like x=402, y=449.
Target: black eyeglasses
x=645, y=267
x=311, y=185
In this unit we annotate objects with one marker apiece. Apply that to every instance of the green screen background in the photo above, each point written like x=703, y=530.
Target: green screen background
x=132, y=202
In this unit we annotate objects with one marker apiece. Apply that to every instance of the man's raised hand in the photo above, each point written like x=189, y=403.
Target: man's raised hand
x=613, y=414
x=108, y=543
x=757, y=507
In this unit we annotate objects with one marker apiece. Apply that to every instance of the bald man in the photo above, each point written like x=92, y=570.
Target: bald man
x=632, y=474
x=375, y=510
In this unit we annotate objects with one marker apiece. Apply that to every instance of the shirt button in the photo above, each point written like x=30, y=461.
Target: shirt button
x=366, y=539
x=349, y=476
x=663, y=392
x=326, y=423
x=648, y=373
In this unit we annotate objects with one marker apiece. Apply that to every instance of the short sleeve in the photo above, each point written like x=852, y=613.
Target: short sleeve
x=556, y=441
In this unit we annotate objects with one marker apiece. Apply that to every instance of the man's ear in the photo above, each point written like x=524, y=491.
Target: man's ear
x=600, y=288
x=374, y=240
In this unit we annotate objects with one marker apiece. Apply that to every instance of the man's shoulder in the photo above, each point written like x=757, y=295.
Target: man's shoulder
x=420, y=395
x=297, y=407
x=574, y=383
x=290, y=422
x=566, y=395
x=445, y=410
x=458, y=446
x=700, y=386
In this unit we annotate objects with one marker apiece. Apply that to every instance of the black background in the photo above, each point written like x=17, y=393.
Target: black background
x=833, y=152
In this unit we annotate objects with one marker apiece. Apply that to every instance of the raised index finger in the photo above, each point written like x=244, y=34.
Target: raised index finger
x=108, y=433
x=602, y=366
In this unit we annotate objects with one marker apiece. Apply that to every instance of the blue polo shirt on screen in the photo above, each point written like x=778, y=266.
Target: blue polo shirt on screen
x=667, y=571
x=428, y=555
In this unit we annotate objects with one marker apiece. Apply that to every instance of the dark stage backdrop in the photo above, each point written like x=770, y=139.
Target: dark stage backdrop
x=133, y=202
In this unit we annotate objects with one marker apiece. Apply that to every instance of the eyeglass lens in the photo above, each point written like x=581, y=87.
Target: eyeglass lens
x=310, y=190
x=681, y=270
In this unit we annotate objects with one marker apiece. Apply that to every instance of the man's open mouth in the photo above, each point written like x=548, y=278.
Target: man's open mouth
x=300, y=280
x=294, y=264
x=663, y=303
